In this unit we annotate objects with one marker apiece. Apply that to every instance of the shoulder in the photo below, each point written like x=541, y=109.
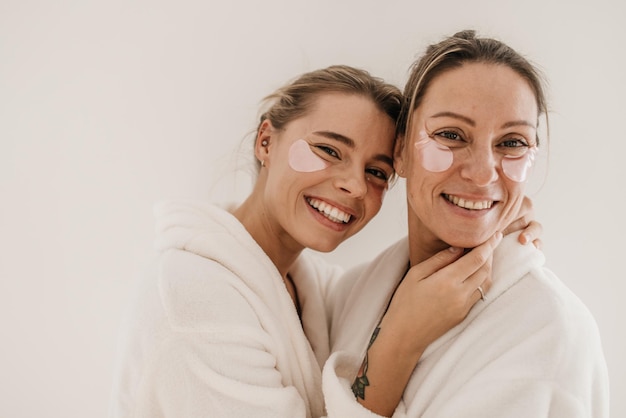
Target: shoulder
x=525, y=289
x=557, y=301
x=201, y=294
x=541, y=331
x=541, y=311
x=569, y=315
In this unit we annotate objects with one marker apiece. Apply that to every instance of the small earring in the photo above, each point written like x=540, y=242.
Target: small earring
x=264, y=143
x=262, y=163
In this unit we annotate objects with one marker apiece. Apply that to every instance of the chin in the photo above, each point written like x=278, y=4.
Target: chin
x=461, y=240
x=324, y=247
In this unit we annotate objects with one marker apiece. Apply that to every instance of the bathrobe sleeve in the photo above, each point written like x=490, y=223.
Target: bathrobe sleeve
x=339, y=370
x=219, y=375
x=337, y=380
x=220, y=355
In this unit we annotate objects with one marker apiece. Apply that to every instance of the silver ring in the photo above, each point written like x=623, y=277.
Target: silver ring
x=482, y=294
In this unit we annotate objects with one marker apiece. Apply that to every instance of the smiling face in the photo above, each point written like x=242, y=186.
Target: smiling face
x=325, y=174
x=466, y=155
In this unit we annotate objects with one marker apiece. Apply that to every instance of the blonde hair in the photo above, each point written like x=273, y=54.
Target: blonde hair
x=294, y=100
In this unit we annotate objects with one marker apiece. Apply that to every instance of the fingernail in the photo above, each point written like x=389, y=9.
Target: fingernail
x=454, y=250
x=524, y=238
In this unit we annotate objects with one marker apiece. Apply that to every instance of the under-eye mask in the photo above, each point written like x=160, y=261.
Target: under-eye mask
x=434, y=156
x=303, y=159
x=517, y=168
x=437, y=158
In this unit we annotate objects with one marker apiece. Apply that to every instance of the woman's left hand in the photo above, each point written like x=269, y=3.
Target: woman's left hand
x=531, y=229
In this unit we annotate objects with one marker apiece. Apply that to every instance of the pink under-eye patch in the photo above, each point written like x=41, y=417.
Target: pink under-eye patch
x=434, y=156
x=517, y=168
x=303, y=159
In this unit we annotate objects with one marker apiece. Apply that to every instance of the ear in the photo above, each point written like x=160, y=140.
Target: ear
x=263, y=140
x=398, y=157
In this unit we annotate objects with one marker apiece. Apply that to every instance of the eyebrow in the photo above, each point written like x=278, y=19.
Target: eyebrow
x=465, y=119
x=518, y=123
x=472, y=123
x=349, y=142
x=337, y=137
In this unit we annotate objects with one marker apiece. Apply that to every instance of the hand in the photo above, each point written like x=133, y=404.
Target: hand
x=438, y=293
x=531, y=229
x=434, y=296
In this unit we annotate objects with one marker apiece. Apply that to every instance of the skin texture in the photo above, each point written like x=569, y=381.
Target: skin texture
x=483, y=105
x=355, y=141
x=482, y=112
x=436, y=157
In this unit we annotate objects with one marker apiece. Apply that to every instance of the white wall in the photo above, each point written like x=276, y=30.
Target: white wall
x=109, y=106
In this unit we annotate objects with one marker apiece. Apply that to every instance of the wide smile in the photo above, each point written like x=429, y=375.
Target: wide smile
x=331, y=212
x=469, y=204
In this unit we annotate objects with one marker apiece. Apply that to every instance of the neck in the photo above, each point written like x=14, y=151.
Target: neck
x=423, y=244
x=275, y=242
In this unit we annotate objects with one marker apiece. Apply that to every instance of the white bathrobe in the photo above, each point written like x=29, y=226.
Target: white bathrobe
x=213, y=331
x=531, y=350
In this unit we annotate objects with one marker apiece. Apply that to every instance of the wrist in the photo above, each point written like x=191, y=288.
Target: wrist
x=399, y=340
x=404, y=337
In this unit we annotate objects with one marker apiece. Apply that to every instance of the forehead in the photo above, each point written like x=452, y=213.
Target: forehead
x=343, y=108
x=353, y=116
x=482, y=91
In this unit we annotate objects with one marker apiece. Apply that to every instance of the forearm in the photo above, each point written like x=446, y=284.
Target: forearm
x=386, y=369
x=444, y=289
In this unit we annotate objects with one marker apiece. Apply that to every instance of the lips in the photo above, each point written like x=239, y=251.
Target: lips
x=329, y=211
x=468, y=204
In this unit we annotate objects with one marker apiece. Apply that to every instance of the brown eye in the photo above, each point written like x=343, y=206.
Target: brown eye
x=513, y=143
x=448, y=137
x=379, y=174
x=513, y=147
x=327, y=150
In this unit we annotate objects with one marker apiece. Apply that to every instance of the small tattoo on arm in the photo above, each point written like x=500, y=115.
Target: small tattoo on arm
x=361, y=381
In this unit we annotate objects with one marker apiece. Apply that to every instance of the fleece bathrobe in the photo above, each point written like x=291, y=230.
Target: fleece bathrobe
x=213, y=331
x=532, y=349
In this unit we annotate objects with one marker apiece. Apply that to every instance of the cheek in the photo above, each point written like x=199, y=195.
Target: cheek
x=303, y=160
x=375, y=198
x=515, y=197
x=421, y=189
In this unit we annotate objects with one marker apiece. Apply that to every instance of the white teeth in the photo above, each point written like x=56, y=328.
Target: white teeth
x=468, y=204
x=331, y=212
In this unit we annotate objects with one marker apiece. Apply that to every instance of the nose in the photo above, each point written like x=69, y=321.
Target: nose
x=480, y=168
x=353, y=183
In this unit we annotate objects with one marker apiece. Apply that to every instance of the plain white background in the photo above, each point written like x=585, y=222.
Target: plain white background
x=109, y=106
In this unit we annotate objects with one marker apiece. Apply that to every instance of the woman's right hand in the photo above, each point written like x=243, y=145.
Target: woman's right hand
x=438, y=293
x=434, y=296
